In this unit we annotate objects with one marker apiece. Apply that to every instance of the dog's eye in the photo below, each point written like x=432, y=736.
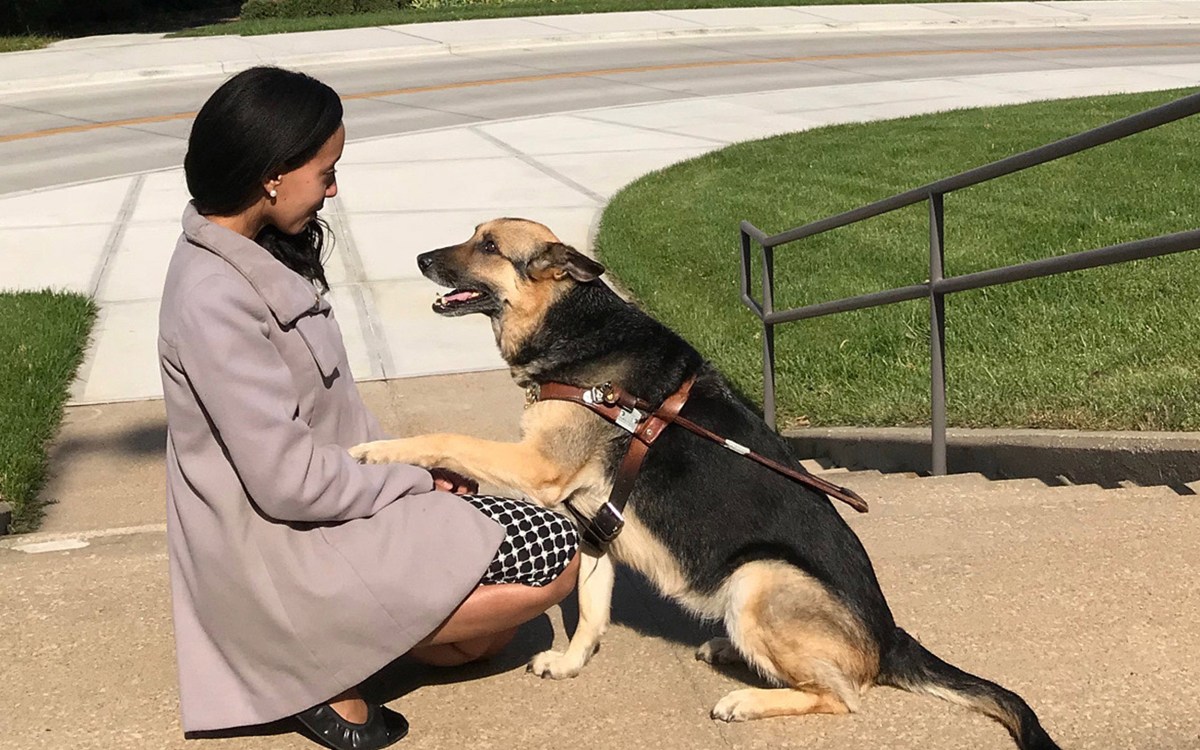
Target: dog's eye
x=489, y=247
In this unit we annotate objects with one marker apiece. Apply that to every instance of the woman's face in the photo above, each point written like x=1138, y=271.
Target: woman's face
x=302, y=192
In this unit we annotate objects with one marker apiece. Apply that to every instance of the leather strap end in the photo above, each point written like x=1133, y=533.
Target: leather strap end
x=852, y=498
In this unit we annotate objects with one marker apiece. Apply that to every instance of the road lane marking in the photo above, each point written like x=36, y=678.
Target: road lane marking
x=542, y=77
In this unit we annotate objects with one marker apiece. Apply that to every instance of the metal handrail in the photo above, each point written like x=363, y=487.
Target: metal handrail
x=937, y=287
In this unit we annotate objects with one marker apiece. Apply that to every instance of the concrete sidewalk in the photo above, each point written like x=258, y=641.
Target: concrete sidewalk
x=401, y=195
x=140, y=57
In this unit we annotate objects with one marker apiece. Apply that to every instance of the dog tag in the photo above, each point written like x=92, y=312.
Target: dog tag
x=629, y=419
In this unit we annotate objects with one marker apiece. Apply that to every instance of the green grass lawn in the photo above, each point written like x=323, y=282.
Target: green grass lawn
x=43, y=339
x=22, y=43
x=1112, y=348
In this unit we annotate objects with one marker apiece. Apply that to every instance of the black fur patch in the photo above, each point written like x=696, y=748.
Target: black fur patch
x=712, y=509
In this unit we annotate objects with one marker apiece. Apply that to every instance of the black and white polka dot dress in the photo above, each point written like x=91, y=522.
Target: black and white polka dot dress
x=538, y=543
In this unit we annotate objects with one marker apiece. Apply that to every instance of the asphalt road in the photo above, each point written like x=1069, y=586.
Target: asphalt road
x=59, y=137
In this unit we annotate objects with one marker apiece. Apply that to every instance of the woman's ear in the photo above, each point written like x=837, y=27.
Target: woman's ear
x=271, y=186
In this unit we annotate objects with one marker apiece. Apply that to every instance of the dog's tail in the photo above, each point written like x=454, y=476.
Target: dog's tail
x=910, y=666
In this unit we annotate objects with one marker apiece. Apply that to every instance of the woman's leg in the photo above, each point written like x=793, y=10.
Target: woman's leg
x=350, y=706
x=463, y=652
x=535, y=568
x=488, y=619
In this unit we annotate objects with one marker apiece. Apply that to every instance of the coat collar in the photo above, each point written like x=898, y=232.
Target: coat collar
x=286, y=293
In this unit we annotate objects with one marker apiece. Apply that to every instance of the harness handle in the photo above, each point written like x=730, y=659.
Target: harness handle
x=646, y=423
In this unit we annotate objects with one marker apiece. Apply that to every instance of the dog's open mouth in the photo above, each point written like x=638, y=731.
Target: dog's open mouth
x=461, y=301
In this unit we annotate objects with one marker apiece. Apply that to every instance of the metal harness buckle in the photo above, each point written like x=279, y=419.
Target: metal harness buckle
x=629, y=419
x=605, y=526
x=600, y=394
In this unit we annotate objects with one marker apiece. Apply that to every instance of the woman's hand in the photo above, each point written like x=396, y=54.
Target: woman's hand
x=450, y=481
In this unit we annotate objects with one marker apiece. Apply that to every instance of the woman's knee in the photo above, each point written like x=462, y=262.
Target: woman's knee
x=558, y=589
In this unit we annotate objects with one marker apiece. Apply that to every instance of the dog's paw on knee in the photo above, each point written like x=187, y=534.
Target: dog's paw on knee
x=554, y=665
x=367, y=453
x=718, y=651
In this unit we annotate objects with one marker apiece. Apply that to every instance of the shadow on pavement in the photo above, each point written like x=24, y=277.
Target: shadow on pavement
x=403, y=675
x=283, y=726
x=635, y=605
x=148, y=439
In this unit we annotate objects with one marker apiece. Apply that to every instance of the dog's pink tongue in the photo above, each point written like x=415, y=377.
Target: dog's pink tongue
x=460, y=296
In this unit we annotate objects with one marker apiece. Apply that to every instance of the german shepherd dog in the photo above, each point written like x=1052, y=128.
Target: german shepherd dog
x=727, y=539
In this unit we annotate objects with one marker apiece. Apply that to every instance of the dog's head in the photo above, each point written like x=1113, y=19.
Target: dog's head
x=509, y=267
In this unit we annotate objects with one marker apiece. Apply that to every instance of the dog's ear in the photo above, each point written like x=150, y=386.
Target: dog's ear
x=580, y=267
x=559, y=260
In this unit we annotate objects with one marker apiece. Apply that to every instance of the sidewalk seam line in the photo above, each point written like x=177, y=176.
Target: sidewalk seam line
x=369, y=323
x=543, y=168
x=706, y=139
x=116, y=234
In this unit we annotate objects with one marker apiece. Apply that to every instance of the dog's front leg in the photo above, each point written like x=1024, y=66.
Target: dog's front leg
x=595, y=602
x=520, y=466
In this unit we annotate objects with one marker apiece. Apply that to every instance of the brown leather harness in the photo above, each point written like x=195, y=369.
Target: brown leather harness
x=646, y=424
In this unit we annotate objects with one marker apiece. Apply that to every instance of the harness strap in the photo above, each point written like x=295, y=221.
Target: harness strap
x=635, y=417
x=647, y=432
x=646, y=424
x=846, y=495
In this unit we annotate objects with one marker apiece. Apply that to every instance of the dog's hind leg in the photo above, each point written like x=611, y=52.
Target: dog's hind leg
x=798, y=636
x=596, y=574
x=719, y=650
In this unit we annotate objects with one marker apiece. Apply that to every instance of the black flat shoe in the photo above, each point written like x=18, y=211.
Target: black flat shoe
x=382, y=728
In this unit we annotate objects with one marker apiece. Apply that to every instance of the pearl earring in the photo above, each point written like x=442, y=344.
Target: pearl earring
x=274, y=193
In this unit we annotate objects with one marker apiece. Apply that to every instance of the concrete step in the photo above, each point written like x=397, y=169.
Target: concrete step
x=858, y=476
x=870, y=477
x=899, y=493
x=956, y=505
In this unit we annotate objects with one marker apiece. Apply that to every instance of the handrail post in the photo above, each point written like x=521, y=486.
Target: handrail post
x=768, y=306
x=937, y=335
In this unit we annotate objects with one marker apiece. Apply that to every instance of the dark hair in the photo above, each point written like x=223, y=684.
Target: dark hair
x=260, y=123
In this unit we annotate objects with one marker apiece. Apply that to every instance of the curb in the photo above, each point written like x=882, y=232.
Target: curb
x=1055, y=456
x=229, y=67
x=78, y=538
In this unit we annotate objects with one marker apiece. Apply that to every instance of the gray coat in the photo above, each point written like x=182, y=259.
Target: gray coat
x=295, y=572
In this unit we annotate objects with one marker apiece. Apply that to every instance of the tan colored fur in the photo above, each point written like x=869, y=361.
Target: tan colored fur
x=559, y=453
x=525, y=300
x=524, y=317
x=796, y=634
x=595, y=600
